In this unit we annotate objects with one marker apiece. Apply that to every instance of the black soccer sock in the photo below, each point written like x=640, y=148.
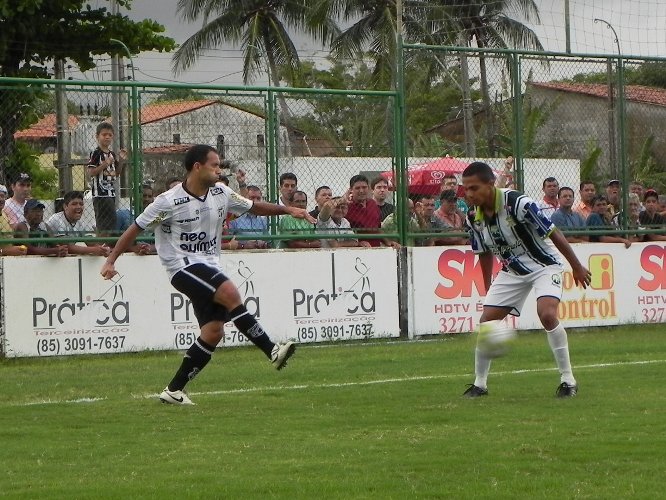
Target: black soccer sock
x=196, y=357
x=249, y=327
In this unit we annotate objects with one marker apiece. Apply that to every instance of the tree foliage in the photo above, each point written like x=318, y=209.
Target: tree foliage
x=362, y=121
x=34, y=33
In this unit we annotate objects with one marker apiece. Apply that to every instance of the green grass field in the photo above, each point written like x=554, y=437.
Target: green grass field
x=379, y=420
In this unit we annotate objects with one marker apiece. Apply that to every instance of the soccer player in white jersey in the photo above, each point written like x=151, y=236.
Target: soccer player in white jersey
x=190, y=217
x=509, y=225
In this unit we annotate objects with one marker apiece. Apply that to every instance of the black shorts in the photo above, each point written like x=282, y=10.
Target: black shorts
x=105, y=214
x=199, y=282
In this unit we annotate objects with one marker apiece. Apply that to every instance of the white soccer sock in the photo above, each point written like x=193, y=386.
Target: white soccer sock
x=481, y=369
x=557, y=339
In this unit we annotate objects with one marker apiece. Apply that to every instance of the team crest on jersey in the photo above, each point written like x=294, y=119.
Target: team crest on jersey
x=216, y=190
x=180, y=201
x=166, y=228
x=556, y=279
x=159, y=218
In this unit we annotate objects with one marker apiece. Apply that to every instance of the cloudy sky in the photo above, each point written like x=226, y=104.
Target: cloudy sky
x=639, y=25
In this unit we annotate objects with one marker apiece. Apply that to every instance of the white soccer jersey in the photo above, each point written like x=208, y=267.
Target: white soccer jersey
x=190, y=227
x=518, y=233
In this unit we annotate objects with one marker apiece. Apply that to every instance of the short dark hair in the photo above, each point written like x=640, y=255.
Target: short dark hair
x=197, y=154
x=71, y=195
x=377, y=180
x=358, y=178
x=481, y=170
x=598, y=198
x=448, y=195
x=585, y=183
x=564, y=188
x=103, y=126
x=252, y=187
x=224, y=180
x=320, y=189
x=548, y=179
x=650, y=193
x=293, y=195
x=288, y=176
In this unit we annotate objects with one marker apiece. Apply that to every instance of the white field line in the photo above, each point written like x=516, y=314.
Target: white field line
x=269, y=388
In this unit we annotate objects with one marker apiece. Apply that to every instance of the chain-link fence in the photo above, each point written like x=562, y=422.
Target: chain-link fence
x=570, y=117
x=272, y=143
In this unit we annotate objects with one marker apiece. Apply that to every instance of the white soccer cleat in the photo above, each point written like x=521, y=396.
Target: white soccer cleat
x=175, y=397
x=281, y=353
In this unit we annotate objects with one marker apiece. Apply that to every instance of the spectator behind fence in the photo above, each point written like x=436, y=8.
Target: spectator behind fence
x=390, y=224
x=125, y=216
x=331, y=220
x=450, y=183
x=6, y=229
x=35, y=227
x=322, y=195
x=428, y=221
x=249, y=224
x=600, y=218
x=651, y=217
x=565, y=218
x=587, y=192
x=288, y=184
x=21, y=192
x=662, y=205
x=614, y=199
x=506, y=178
x=380, y=191
x=549, y=203
x=449, y=214
x=639, y=190
x=172, y=182
x=635, y=217
x=68, y=224
x=104, y=168
x=291, y=225
x=363, y=213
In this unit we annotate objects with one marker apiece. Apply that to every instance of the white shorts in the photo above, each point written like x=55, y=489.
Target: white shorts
x=510, y=290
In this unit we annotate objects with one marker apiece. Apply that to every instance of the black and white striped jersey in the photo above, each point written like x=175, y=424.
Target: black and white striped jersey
x=190, y=227
x=517, y=234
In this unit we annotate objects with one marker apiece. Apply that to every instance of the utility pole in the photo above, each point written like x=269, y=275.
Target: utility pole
x=64, y=150
x=116, y=122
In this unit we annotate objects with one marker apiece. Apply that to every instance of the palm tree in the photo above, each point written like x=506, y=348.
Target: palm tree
x=260, y=27
x=488, y=24
x=374, y=32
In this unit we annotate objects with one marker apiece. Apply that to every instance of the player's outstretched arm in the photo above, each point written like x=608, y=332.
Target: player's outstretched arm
x=581, y=274
x=122, y=245
x=265, y=208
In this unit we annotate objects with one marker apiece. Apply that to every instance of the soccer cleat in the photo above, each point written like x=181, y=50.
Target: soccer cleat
x=281, y=353
x=565, y=390
x=474, y=391
x=175, y=397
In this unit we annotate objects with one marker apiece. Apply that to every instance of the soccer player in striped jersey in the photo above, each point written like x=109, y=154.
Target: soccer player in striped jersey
x=188, y=221
x=508, y=225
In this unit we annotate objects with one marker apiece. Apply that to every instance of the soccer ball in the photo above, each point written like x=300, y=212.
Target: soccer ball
x=495, y=338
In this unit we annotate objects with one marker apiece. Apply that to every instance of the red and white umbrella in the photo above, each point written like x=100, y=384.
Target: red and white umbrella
x=425, y=178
